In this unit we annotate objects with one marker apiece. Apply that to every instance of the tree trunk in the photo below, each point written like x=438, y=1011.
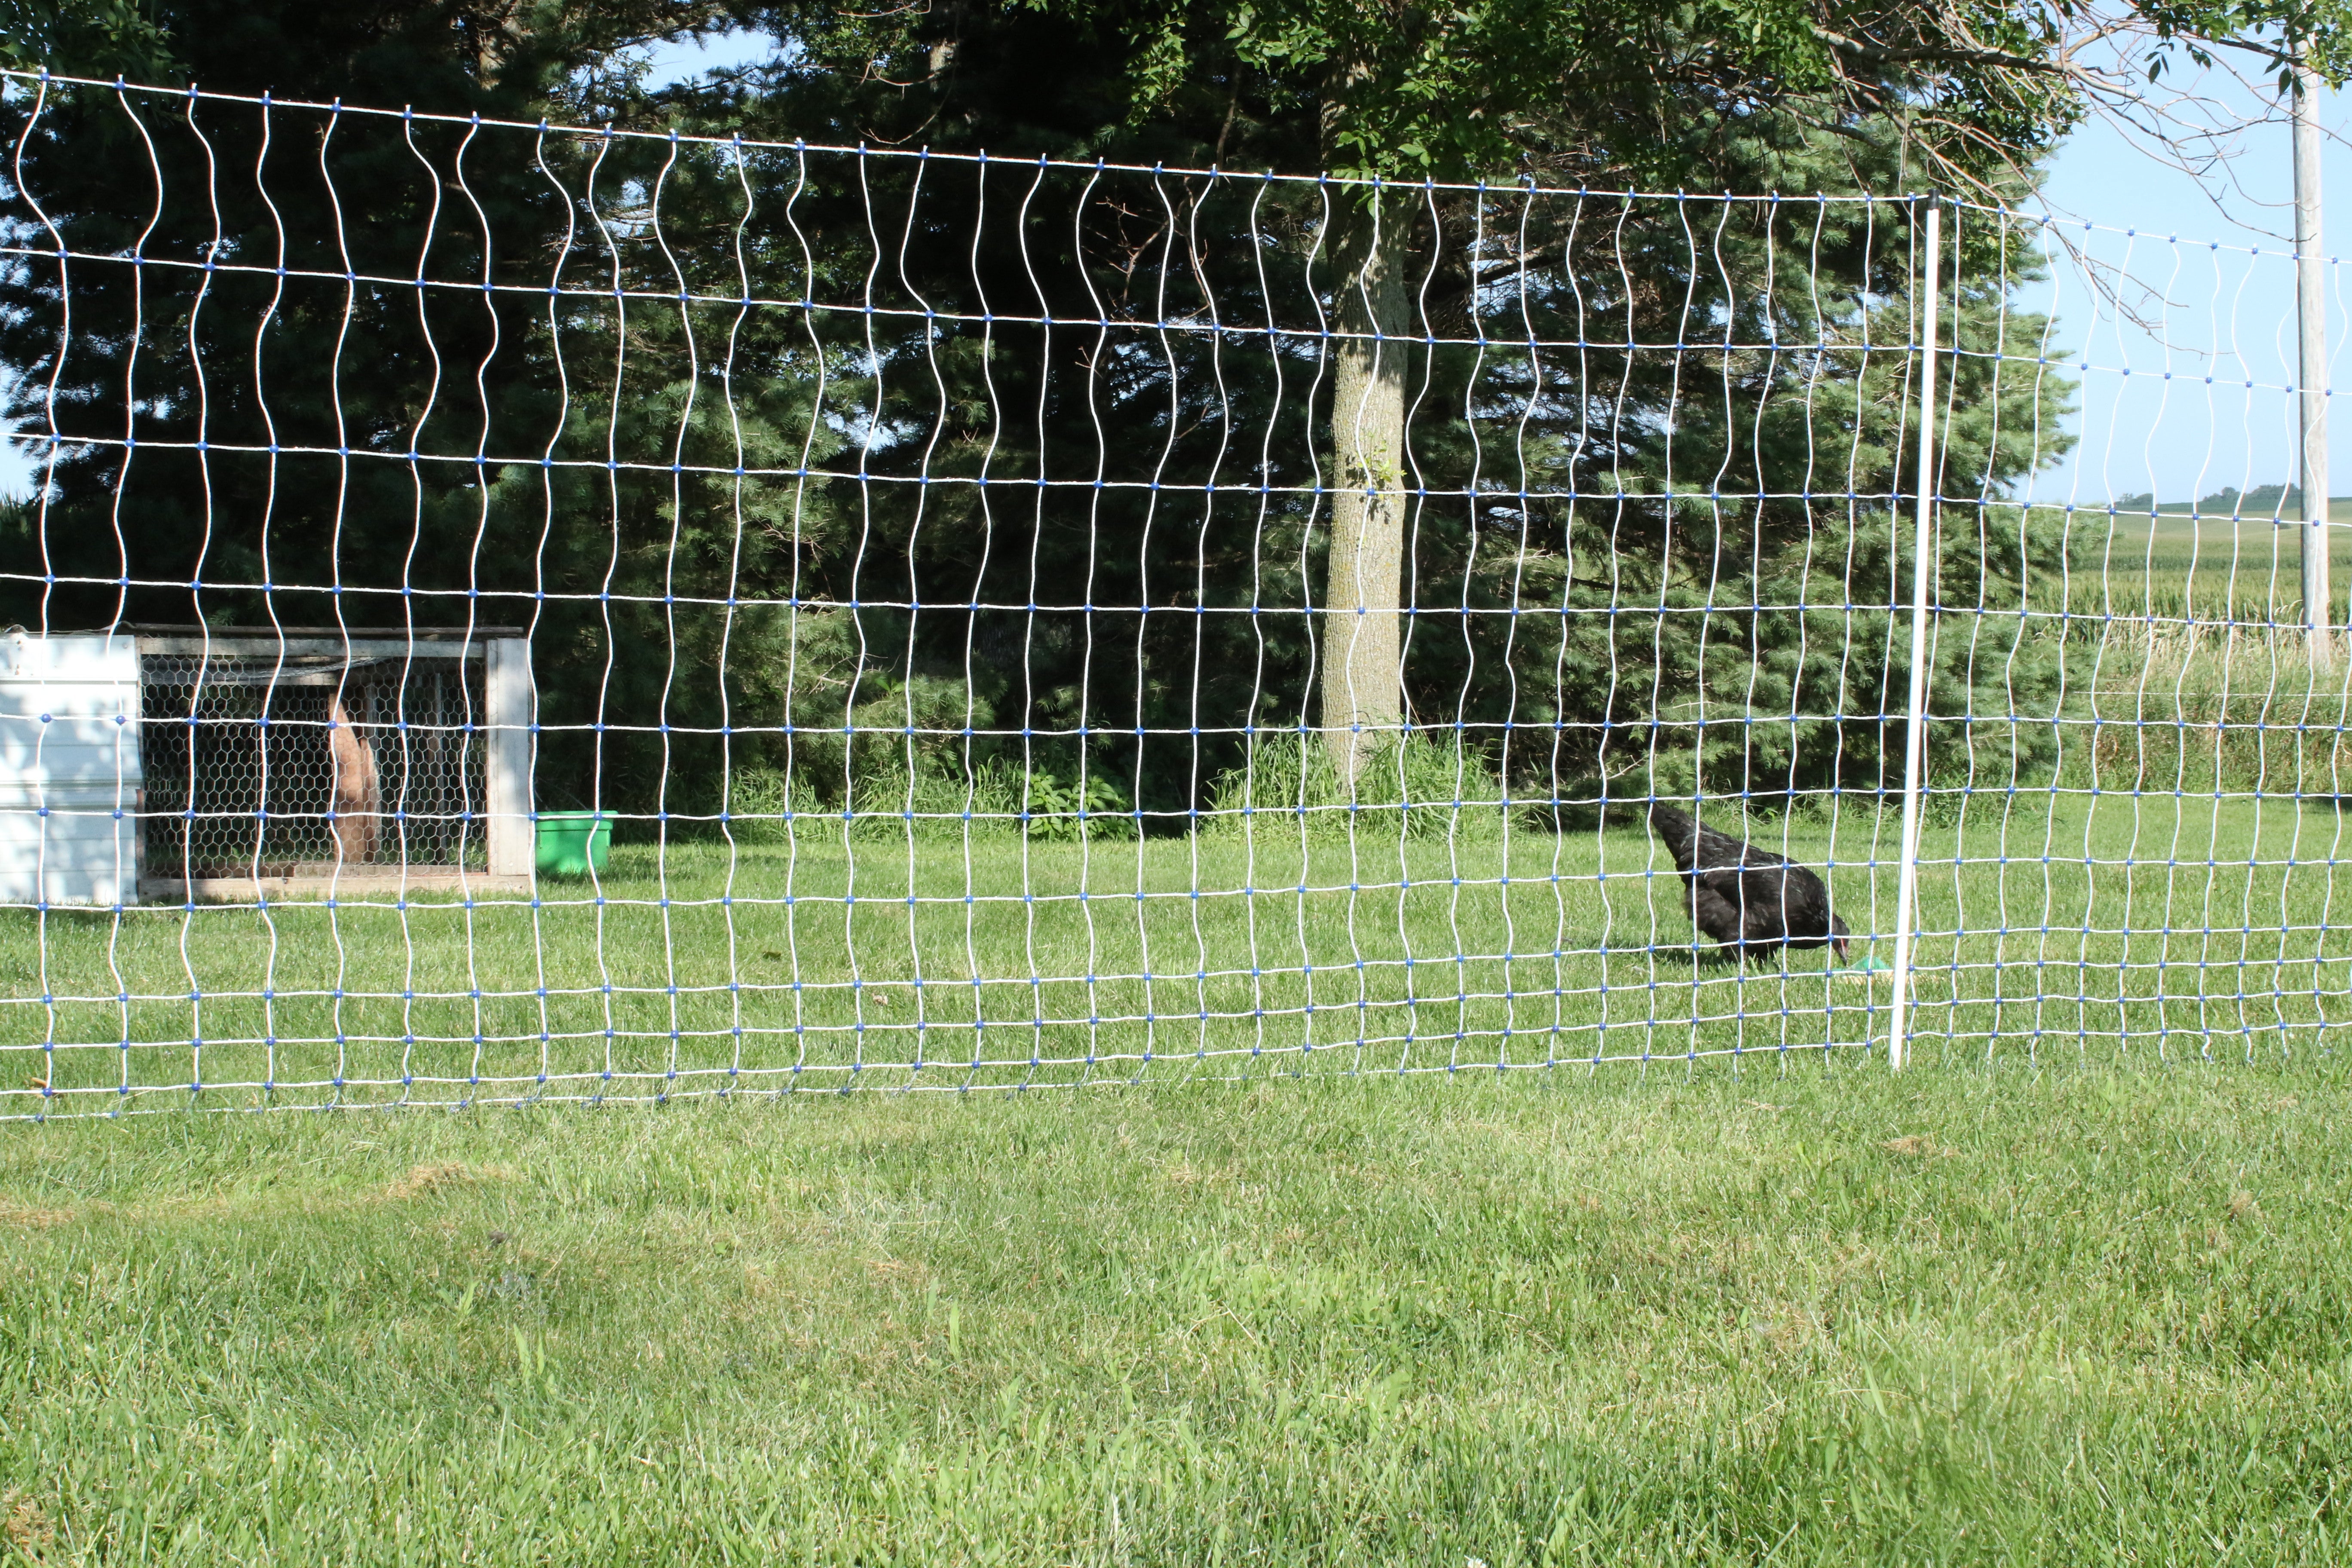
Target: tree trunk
x=1363, y=705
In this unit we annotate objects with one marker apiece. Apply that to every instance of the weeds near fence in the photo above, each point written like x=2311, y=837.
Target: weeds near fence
x=992, y=799
x=2210, y=707
x=1415, y=787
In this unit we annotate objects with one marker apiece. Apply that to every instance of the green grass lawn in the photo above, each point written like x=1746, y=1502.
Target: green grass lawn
x=2076, y=1288
x=1811, y=1312
x=2153, y=926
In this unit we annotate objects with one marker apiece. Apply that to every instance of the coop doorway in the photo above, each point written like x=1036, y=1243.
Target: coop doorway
x=318, y=759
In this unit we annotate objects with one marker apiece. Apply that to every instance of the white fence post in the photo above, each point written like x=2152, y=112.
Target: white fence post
x=1914, y=738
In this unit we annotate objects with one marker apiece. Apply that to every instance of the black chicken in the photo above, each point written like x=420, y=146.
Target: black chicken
x=1752, y=901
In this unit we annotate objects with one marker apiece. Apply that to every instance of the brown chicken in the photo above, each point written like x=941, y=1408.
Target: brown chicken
x=358, y=801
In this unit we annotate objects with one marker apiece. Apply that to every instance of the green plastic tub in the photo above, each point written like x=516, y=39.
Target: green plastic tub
x=574, y=843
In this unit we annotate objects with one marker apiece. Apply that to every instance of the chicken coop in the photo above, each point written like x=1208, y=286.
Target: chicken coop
x=264, y=763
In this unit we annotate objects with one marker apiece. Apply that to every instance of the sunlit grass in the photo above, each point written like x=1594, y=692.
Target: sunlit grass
x=1809, y=1313
x=2090, y=924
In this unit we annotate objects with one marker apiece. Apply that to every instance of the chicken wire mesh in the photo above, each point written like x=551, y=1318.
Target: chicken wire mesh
x=273, y=767
x=1038, y=624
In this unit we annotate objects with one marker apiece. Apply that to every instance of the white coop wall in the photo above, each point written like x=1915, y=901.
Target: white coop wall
x=70, y=776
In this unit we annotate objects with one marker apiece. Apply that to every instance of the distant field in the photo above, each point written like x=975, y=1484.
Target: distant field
x=2177, y=537
x=2210, y=568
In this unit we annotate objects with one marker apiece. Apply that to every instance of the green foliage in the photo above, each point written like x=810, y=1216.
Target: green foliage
x=885, y=804
x=1755, y=647
x=885, y=801
x=1094, y=807
x=2263, y=500
x=814, y=666
x=85, y=37
x=1473, y=87
x=1617, y=595
x=766, y=806
x=1416, y=788
x=1741, y=617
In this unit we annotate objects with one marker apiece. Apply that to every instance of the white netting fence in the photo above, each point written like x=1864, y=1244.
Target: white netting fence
x=959, y=589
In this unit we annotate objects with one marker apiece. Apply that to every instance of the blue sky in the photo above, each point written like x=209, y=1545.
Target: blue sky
x=2201, y=311
x=676, y=62
x=2205, y=306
